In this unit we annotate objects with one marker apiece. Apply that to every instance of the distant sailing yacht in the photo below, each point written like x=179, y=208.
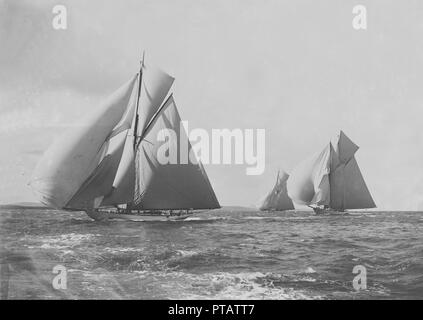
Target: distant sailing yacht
x=331, y=181
x=277, y=199
x=108, y=165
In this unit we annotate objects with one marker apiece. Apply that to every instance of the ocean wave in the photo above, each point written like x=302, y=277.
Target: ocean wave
x=66, y=246
x=204, y=219
x=121, y=249
x=60, y=242
x=277, y=218
x=309, y=270
x=225, y=285
x=220, y=255
x=176, y=285
x=256, y=218
x=186, y=253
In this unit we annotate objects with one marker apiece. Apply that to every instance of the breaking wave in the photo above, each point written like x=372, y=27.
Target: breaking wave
x=223, y=255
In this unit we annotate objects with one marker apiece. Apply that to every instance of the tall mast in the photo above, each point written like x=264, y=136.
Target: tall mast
x=138, y=100
x=343, y=188
x=331, y=154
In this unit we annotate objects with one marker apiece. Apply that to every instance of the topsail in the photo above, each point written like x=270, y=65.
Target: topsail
x=331, y=179
x=110, y=159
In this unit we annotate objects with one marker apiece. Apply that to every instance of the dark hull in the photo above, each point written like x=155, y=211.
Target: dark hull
x=127, y=215
x=329, y=212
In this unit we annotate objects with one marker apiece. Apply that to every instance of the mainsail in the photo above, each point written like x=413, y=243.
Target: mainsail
x=278, y=199
x=331, y=179
x=174, y=185
x=111, y=158
x=153, y=88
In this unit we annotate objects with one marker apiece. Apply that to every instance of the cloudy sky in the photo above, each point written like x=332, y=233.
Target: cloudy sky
x=296, y=68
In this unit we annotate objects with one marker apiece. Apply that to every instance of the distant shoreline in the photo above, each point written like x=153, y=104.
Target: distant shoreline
x=25, y=205
x=40, y=206
x=36, y=205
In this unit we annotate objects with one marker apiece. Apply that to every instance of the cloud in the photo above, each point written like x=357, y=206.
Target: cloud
x=37, y=109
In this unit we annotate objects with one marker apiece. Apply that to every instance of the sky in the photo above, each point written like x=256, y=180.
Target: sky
x=298, y=69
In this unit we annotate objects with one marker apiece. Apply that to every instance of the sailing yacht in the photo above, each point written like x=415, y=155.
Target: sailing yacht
x=330, y=182
x=277, y=199
x=108, y=164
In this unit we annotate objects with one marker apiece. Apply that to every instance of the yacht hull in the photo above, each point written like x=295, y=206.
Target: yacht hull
x=328, y=212
x=99, y=215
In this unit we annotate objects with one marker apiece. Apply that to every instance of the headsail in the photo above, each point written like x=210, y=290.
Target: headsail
x=99, y=183
x=154, y=88
x=278, y=199
x=308, y=183
x=173, y=185
x=124, y=182
x=83, y=152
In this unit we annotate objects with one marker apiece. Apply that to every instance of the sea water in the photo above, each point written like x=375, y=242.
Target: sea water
x=223, y=254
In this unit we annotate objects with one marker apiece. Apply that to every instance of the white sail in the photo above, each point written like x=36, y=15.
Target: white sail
x=344, y=148
x=348, y=189
x=357, y=195
x=173, y=185
x=75, y=157
x=100, y=182
x=278, y=199
x=308, y=183
x=124, y=183
x=112, y=159
x=155, y=86
x=336, y=173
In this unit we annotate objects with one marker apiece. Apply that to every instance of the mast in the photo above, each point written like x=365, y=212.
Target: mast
x=138, y=99
x=343, y=189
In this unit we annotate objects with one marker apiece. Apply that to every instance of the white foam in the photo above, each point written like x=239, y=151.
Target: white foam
x=203, y=219
x=257, y=218
x=122, y=249
x=224, y=285
x=310, y=270
x=61, y=242
x=243, y=285
x=186, y=253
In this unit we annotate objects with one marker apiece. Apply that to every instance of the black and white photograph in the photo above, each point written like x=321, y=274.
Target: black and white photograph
x=211, y=150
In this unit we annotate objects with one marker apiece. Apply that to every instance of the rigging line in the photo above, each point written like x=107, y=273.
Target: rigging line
x=140, y=74
x=152, y=121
